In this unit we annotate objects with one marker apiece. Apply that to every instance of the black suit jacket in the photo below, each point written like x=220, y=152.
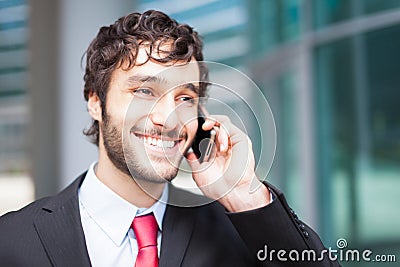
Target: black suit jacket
x=48, y=232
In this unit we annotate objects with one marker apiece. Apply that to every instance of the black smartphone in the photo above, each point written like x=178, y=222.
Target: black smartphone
x=204, y=141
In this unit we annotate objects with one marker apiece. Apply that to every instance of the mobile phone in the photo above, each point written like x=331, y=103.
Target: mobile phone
x=203, y=143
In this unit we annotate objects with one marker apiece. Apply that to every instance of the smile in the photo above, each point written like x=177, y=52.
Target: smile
x=157, y=141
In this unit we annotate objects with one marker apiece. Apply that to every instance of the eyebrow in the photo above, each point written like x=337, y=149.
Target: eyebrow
x=146, y=78
x=134, y=79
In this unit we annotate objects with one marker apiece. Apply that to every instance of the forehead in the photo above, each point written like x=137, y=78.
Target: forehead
x=172, y=73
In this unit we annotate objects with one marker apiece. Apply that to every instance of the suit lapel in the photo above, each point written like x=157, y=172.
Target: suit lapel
x=176, y=234
x=60, y=229
x=178, y=225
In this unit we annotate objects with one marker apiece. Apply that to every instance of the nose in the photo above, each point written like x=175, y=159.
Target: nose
x=164, y=113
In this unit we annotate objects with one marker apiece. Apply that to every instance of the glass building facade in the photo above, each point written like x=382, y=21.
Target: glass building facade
x=342, y=55
x=13, y=86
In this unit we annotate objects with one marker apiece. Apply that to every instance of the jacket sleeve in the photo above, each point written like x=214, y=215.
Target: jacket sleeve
x=276, y=237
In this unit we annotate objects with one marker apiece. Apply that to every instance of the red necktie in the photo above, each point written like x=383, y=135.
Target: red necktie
x=146, y=229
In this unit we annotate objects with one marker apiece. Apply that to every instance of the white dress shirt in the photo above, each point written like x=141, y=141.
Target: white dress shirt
x=106, y=220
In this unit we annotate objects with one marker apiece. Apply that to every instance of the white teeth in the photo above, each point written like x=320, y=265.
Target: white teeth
x=158, y=142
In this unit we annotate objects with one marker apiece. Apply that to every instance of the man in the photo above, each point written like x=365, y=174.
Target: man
x=144, y=82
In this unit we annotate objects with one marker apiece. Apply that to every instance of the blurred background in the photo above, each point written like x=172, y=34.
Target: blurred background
x=329, y=69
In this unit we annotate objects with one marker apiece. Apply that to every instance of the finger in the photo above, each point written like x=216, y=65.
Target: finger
x=229, y=136
x=209, y=124
x=215, y=120
x=223, y=139
x=192, y=160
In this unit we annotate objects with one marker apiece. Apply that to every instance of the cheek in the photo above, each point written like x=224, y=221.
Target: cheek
x=139, y=108
x=114, y=117
x=188, y=119
x=115, y=110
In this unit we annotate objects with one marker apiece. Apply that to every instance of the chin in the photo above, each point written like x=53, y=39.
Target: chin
x=154, y=171
x=156, y=177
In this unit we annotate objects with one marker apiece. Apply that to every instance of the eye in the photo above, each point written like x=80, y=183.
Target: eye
x=187, y=99
x=143, y=91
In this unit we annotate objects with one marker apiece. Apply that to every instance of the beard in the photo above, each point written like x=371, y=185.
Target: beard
x=128, y=161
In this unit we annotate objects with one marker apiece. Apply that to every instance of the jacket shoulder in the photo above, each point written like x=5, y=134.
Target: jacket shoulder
x=50, y=203
x=21, y=243
x=25, y=214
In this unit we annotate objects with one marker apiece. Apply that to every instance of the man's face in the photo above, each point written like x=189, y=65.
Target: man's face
x=151, y=118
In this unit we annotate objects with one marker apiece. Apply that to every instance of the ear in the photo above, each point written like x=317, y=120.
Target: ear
x=94, y=107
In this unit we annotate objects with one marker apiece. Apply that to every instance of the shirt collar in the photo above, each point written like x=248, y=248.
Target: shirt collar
x=113, y=214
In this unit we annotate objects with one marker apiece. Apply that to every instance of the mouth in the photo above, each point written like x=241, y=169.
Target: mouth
x=158, y=143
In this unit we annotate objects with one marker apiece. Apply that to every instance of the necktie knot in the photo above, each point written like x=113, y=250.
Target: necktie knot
x=146, y=229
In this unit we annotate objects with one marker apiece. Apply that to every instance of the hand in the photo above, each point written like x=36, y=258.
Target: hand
x=229, y=174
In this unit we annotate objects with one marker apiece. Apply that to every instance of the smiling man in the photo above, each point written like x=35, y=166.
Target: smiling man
x=145, y=84
x=158, y=113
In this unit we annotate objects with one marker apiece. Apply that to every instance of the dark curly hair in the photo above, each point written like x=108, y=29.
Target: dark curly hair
x=118, y=44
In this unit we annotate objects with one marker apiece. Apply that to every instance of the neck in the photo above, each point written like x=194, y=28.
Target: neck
x=125, y=186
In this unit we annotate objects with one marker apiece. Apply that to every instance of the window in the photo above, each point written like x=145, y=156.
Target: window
x=14, y=132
